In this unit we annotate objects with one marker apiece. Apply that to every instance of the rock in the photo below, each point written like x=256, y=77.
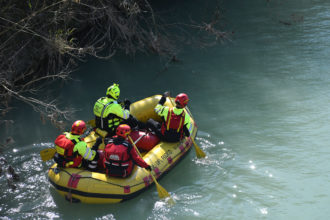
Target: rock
x=13, y=174
x=11, y=184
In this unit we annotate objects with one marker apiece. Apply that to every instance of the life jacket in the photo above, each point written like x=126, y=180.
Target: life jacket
x=173, y=126
x=64, y=148
x=108, y=123
x=117, y=160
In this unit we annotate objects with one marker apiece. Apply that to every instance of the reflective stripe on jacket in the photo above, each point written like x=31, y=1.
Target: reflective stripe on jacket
x=120, y=157
x=109, y=114
x=65, y=145
x=86, y=152
x=163, y=111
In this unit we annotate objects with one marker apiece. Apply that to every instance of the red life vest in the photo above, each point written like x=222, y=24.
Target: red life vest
x=64, y=148
x=173, y=124
x=117, y=160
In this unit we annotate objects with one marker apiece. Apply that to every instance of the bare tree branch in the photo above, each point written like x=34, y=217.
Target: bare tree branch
x=41, y=42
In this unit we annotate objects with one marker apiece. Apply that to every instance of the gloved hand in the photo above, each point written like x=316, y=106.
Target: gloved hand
x=163, y=98
x=148, y=168
x=166, y=94
x=98, y=141
x=127, y=103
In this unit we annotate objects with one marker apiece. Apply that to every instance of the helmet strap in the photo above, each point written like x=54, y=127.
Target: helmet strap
x=178, y=105
x=109, y=96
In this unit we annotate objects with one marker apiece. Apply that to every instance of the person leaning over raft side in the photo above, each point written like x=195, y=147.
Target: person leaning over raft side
x=71, y=150
x=120, y=155
x=109, y=114
x=176, y=123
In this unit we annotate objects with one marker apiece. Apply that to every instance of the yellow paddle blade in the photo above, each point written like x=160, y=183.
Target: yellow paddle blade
x=170, y=201
x=162, y=193
x=199, y=152
x=47, y=154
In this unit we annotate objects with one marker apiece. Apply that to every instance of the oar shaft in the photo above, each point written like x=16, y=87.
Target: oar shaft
x=137, y=150
x=139, y=138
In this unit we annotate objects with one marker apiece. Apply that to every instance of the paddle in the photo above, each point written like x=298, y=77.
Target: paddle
x=47, y=154
x=198, y=150
x=162, y=193
x=137, y=140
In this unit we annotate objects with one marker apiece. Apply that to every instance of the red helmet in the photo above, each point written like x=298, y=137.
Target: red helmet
x=78, y=127
x=123, y=130
x=182, y=100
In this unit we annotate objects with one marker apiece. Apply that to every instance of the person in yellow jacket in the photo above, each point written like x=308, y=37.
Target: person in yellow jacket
x=72, y=150
x=109, y=114
x=176, y=122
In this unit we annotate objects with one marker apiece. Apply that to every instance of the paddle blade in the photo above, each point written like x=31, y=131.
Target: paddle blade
x=162, y=193
x=47, y=154
x=199, y=152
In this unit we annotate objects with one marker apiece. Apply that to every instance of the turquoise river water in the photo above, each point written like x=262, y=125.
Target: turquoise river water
x=261, y=103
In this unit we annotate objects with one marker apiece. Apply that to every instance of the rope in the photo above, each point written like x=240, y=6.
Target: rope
x=88, y=177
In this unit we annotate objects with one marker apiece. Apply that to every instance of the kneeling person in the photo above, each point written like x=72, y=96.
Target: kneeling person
x=71, y=149
x=175, y=122
x=120, y=155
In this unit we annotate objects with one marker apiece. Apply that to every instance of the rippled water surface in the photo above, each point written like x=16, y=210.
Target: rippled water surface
x=261, y=103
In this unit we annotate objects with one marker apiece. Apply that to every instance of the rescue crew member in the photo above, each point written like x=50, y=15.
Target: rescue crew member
x=109, y=113
x=176, y=123
x=71, y=150
x=120, y=155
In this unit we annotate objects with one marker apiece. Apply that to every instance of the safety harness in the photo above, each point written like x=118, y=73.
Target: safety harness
x=64, y=148
x=174, y=123
x=114, y=160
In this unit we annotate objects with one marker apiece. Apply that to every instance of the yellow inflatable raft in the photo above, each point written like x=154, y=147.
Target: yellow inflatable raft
x=78, y=185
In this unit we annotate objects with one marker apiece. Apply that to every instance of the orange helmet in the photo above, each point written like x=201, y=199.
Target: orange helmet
x=182, y=100
x=123, y=130
x=78, y=127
